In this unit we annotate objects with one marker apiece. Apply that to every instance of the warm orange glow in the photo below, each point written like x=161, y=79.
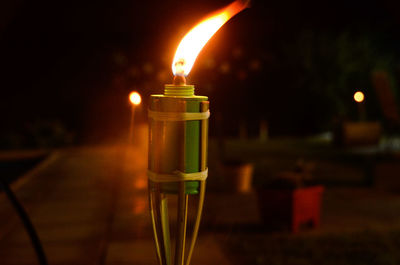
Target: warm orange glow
x=140, y=183
x=140, y=205
x=197, y=37
x=359, y=96
x=135, y=98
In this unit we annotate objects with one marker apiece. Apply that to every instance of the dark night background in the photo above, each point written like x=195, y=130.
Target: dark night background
x=298, y=172
x=68, y=67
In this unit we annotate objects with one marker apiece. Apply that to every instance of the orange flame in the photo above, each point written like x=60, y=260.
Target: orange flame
x=198, y=36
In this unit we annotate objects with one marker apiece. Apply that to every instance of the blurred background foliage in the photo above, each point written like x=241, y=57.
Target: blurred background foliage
x=294, y=65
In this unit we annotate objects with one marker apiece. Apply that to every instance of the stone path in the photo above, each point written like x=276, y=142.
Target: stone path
x=89, y=206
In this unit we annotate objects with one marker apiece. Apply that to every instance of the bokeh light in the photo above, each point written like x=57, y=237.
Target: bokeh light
x=359, y=96
x=135, y=98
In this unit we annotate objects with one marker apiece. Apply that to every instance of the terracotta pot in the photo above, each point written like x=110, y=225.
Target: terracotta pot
x=291, y=207
x=359, y=133
x=238, y=176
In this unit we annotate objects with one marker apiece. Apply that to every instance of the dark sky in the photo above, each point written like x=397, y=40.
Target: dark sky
x=69, y=60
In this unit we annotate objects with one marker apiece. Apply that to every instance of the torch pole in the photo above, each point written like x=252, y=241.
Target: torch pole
x=181, y=226
x=159, y=215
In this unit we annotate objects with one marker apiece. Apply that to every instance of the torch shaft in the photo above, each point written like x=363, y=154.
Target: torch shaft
x=159, y=214
x=181, y=226
x=165, y=228
x=154, y=223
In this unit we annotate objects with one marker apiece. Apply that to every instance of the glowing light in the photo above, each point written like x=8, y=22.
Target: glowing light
x=225, y=67
x=194, y=41
x=359, y=96
x=140, y=205
x=140, y=183
x=135, y=98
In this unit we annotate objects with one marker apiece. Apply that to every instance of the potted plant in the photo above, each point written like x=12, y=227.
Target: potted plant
x=360, y=132
x=238, y=175
x=290, y=199
x=350, y=133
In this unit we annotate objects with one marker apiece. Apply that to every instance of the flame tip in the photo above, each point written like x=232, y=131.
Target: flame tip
x=245, y=3
x=194, y=41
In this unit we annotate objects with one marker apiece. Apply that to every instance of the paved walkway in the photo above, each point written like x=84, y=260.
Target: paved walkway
x=89, y=206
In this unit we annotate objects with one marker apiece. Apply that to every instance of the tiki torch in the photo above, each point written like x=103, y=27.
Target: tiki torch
x=178, y=124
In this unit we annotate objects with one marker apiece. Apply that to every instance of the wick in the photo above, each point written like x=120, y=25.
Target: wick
x=179, y=80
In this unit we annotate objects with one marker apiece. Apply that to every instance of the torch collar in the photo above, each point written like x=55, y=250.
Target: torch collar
x=178, y=116
x=178, y=176
x=179, y=90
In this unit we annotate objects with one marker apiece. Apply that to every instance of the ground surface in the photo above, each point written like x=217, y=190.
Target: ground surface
x=89, y=206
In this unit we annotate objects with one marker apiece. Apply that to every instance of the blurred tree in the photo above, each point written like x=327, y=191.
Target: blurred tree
x=327, y=69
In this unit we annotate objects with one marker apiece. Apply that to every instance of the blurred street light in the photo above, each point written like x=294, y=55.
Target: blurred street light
x=359, y=96
x=135, y=100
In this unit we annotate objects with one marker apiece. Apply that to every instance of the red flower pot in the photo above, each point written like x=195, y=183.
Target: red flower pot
x=291, y=207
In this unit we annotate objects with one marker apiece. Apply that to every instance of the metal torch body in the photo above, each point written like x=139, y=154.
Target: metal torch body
x=178, y=140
